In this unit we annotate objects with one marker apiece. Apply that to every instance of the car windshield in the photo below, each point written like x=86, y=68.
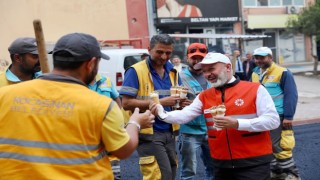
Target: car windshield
x=131, y=60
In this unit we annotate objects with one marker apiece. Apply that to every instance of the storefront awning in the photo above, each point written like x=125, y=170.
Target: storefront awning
x=218, y=36
x=269, y=21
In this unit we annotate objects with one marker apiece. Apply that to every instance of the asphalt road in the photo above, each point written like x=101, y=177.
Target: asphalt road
x=306, y=155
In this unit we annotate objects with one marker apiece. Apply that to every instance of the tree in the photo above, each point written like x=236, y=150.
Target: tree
x=308, y=23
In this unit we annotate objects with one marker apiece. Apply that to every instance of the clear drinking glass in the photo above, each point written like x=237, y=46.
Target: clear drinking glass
x=154, y=96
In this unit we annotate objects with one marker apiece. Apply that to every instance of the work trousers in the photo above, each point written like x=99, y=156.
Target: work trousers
x=283, y=161
x=158, y=158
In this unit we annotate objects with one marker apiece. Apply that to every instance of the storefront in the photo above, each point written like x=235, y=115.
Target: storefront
x=228, y=17
x=287, y=48
x=198, y=17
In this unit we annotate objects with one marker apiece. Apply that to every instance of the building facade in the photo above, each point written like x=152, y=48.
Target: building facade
x=269, y=17
x=136, y=21
x=250, y=17
x=105, y=19
x=192, y=16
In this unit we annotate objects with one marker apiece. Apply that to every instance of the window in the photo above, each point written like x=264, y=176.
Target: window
x=275, y=2
x=270, y=3
x=287, y=2
x=249, y=2
x=262, y=3
x=293, y=2
x=131, y=60
x=298, y=2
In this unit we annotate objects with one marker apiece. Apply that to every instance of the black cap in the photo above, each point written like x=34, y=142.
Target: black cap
x=23, y=45
x=81, y=46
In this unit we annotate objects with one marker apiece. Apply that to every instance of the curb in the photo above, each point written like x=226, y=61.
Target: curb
x=306, y=121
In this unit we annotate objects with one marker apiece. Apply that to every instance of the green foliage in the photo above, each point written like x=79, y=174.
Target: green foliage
x=307, y=22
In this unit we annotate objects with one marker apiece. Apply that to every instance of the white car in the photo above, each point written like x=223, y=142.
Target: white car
x=120, y=60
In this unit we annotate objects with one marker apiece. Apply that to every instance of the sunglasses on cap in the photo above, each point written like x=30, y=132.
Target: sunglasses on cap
x=202, y=50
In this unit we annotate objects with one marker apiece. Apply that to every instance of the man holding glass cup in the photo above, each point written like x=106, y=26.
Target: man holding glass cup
x=242, y=149
x=151, y=80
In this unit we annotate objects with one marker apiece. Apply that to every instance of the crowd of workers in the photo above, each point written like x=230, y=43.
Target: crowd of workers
x=71, y=123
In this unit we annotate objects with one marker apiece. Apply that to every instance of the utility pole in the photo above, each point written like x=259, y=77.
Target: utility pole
x=243, y=32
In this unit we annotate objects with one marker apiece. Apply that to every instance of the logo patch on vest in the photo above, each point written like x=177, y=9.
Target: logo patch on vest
x=104, y=85
x=239, y=102
x=207, y=111
x=271, y=77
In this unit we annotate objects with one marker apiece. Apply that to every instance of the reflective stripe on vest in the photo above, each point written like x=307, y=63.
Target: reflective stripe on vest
x=129, y=89
x=242, y=116
x=38, y=144
x=277, y=97
x=42, y=159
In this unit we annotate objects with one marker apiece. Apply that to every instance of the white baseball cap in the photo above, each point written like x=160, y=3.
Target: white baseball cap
x=262, y=51
x=212, y=58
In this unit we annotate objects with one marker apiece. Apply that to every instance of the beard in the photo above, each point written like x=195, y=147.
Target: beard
x=221, y=80
x=28, y=69
x=265, y=66
x=193, y=69
x=90, y=77
x=25, y=70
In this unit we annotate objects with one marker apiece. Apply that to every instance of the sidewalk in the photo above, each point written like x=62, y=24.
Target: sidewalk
x=303, y=67
x=308, y=109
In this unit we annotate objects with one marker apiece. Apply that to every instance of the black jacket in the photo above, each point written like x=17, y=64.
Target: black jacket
x=252, y=65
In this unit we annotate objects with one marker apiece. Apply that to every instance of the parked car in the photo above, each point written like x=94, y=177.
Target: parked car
x=120, y=60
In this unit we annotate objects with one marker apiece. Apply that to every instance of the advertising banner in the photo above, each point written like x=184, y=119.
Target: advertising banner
x=197, y=11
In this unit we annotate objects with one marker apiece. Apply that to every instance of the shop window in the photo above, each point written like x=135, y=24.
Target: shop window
x=275, y=2
x=255, y=3
x=298, y=2
x=293, y=2
x=287, y=2
x=262, y=3
x=249, y=2
x=291, y=47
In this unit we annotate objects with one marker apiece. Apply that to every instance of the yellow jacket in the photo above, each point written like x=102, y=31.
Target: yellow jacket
x=55, y=130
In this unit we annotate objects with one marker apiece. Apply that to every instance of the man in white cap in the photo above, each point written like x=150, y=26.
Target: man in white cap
x=25, y=62
x=280, y=84
x=239, y=141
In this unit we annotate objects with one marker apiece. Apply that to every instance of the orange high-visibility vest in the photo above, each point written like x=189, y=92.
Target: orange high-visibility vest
x=230, y=147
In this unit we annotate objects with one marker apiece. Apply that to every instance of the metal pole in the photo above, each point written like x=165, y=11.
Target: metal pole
x=243, y=32
x=151, y=16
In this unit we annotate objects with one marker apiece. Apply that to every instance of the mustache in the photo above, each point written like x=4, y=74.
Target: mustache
x=211, y=76
x=36, y=65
